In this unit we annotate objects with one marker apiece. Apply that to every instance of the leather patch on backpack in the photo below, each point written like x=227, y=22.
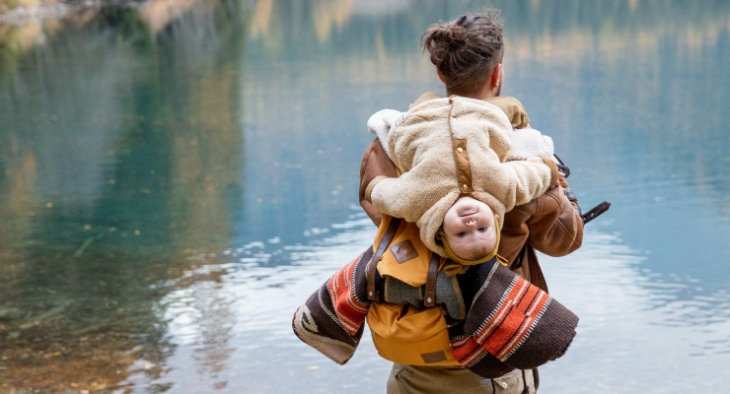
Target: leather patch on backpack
x=434, y=357
x=404, y=251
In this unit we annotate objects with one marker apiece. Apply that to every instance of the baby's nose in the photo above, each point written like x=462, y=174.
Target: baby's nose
x=470, y=223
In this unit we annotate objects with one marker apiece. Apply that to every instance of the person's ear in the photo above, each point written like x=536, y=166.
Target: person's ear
x=441, y=76
x=496, y=79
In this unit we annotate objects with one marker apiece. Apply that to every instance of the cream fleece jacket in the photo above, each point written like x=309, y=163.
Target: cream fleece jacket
x=526, y=142
x=421, y=147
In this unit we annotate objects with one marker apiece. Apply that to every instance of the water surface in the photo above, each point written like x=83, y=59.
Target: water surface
x=173, y=184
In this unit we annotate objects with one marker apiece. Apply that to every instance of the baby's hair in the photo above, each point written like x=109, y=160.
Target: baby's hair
x=466, y=50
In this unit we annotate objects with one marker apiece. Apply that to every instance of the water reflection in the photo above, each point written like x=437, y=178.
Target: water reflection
x=265, y=357
x=635, y=324
x=637, y=95
x=116, y=174
x=176, y=178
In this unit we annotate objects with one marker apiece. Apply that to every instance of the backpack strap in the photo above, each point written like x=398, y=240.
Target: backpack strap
x=371, y=269
x=561, y=166
x=429, y=298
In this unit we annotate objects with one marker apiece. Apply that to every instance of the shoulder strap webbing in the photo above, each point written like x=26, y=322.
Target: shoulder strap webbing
x=429, y=298
x=377, y=255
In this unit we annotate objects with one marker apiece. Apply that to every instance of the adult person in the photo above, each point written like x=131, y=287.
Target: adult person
x=467, y=54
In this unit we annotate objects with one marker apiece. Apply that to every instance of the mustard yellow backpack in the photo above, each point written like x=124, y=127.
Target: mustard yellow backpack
x=402, y=333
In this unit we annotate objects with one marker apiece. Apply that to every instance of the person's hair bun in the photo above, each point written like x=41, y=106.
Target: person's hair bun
x=466, y=49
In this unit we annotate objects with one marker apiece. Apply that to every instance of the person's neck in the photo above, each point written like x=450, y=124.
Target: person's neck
x=479, y=94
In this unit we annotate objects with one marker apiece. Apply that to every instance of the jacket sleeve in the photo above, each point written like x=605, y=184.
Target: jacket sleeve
x=519, y=182
x=408, y=196
x=549, y=223
x=375, y=162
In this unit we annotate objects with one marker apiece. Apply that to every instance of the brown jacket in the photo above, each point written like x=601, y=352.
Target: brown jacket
x=548, y=223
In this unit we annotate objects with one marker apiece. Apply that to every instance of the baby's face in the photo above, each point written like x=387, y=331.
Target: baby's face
x=469, y=229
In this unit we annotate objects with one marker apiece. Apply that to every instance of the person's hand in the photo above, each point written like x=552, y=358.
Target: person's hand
x=554, y=173
x=561, y=180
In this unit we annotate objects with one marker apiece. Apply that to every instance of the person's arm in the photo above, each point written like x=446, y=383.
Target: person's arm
x=408, y=196
x=512, y=182
x=550, y=223
x=519, y=182
x=375, y=162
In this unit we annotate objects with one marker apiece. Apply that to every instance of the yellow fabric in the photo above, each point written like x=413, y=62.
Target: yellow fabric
x=413, y=271
x=513, y=109
x=410, y=336
x=401, y=333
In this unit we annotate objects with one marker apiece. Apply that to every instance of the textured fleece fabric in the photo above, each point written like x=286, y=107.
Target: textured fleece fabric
x=421, y=148
x=526, y=142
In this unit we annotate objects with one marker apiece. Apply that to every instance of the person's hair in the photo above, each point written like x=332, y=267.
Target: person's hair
x=466, y=50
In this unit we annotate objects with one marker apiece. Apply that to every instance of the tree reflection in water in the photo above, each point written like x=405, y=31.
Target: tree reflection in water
x=157, y=161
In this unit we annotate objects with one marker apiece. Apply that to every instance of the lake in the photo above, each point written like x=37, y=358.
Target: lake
x=176, y=177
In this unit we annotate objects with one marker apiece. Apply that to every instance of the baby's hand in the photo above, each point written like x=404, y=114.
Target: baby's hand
x=371, y=185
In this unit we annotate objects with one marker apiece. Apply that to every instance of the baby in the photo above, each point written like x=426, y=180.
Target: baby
x=459, y=171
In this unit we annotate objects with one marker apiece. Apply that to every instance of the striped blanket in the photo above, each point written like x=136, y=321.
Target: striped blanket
x=509, y=323
x=333, y=318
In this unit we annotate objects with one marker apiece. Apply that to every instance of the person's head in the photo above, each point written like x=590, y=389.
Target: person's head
x=467, y=53
x=469, y=230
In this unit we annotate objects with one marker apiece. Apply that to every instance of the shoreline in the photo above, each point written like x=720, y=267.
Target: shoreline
x=20, y=16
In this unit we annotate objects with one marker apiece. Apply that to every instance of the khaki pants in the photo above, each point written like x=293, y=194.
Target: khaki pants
x=410, y=379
